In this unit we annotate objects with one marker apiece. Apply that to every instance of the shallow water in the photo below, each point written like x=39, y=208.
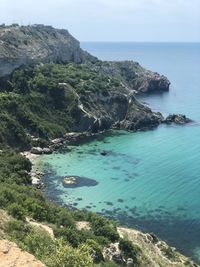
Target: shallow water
x=151, y=179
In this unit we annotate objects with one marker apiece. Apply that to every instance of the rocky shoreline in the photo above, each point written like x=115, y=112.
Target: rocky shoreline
x=81, y=137
x=77, y=137
x=54, y=144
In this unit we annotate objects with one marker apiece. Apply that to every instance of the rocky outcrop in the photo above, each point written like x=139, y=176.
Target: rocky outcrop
x=40, y=151
x=11, y=255
x=117, y=110
x=177, y=119
x=134, y=76
x=153, y=251
x=27, y=45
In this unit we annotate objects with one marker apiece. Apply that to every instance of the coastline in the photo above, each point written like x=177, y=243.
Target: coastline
x=36, y=175
x=35, y=153
x=144, y=238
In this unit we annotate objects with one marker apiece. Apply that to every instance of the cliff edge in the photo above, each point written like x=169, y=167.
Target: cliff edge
x=27, y=45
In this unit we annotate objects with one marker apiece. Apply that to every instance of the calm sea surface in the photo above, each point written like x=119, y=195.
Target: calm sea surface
x=149, y=180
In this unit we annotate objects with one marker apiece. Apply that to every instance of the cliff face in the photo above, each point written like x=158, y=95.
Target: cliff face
x=116, y=110
x=134, y=76
x=27, y=45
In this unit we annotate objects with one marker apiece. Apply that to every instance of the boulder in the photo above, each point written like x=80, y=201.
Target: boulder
x=40, y=151
x=104, y=153
x=36, y=150
x=46, y=150
x=129, y=262
x=177, y=119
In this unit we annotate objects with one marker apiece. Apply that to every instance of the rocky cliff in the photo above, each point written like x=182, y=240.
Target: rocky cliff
x=117, y=109
x=26, y=45
x=134, y=76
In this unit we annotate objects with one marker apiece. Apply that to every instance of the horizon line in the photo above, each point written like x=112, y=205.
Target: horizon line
x=115, y=41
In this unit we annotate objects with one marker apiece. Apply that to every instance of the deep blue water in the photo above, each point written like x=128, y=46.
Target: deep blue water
x=151, y=179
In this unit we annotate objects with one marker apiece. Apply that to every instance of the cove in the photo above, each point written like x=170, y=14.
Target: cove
x=149, y=180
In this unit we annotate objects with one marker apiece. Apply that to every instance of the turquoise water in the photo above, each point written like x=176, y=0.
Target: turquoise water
x=149, y=180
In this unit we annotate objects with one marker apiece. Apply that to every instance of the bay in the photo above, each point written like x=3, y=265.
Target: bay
x=149, y=180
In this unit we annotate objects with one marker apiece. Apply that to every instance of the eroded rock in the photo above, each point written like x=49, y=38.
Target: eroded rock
x=177, y=119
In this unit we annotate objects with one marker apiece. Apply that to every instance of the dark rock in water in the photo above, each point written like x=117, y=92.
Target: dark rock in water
x=76, y=181
x=104, y=153
x=88, y=207
x=177, y=119
x=109, y=203
x=120, y=200
x=116, y=168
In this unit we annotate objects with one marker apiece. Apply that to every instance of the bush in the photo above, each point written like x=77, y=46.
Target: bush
x=16, y=211
x=129, y=250
x=39, y=243
x=64, y=218
x=103, y=227
x=170, y=253
x=17, y=230
x=66, y=256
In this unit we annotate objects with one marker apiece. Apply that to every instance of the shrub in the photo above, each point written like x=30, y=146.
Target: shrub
x=129, y=250
x=66, y=256
x=16, y=211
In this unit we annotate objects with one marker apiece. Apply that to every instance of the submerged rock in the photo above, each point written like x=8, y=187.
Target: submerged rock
x=103, y=153
x=77, y=181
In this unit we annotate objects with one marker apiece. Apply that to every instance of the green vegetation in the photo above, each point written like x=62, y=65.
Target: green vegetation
x=129, y=250
x=53, y=253
x=37, y=104
x=21, y=200
x=42, y=101
x=170, y=253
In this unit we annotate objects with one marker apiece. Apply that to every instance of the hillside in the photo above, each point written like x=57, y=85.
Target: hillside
x=46, y=101
x=49, y=86
x=11, y=255
x=134, y=248
x=35, y=44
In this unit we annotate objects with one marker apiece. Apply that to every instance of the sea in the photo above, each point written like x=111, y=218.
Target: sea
x=149, y=180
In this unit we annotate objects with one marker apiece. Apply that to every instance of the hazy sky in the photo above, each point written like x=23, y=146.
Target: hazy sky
x=111, y=20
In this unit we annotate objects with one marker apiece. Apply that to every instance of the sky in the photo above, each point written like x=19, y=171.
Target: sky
x=111, y=20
